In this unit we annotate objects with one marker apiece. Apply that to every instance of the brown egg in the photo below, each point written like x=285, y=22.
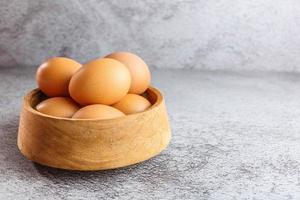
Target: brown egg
x=101, y=81
x=53, y=76
x=140, y=74
x=58, y=107
x=132, y=103
x=97, y=111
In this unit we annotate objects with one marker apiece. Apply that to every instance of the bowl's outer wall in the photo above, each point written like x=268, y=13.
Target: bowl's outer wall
x=94, y=144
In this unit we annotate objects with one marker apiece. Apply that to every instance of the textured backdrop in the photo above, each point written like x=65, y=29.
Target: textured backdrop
x=217, y=34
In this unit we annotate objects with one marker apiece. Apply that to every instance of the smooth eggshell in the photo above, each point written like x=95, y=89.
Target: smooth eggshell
x=101, y=81
x=58, y=107
x=53, y=76
x=97, y=111
x=140, y=74
x=132, y=103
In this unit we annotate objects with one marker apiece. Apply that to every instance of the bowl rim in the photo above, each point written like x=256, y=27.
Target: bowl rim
x=27, y=106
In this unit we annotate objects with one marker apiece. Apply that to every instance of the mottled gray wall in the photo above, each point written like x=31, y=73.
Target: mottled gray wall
x=216, y=34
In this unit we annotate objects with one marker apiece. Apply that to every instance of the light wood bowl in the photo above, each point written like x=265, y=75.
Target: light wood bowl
x=84, y=144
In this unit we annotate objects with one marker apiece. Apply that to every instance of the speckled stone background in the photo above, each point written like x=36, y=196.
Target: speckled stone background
x=217, y=34
x=235, y=136
x=236, y=129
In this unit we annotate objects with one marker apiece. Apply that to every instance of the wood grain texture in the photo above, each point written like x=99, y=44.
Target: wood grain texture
x=80, y=144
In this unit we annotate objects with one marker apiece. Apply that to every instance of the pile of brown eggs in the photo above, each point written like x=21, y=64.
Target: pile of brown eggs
x=103, y=88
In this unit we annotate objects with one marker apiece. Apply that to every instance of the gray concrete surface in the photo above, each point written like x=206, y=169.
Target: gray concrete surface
x=235, y=136
x=215, y=34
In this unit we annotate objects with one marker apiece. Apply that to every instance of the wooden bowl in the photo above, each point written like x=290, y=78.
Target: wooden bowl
x=85, y=144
